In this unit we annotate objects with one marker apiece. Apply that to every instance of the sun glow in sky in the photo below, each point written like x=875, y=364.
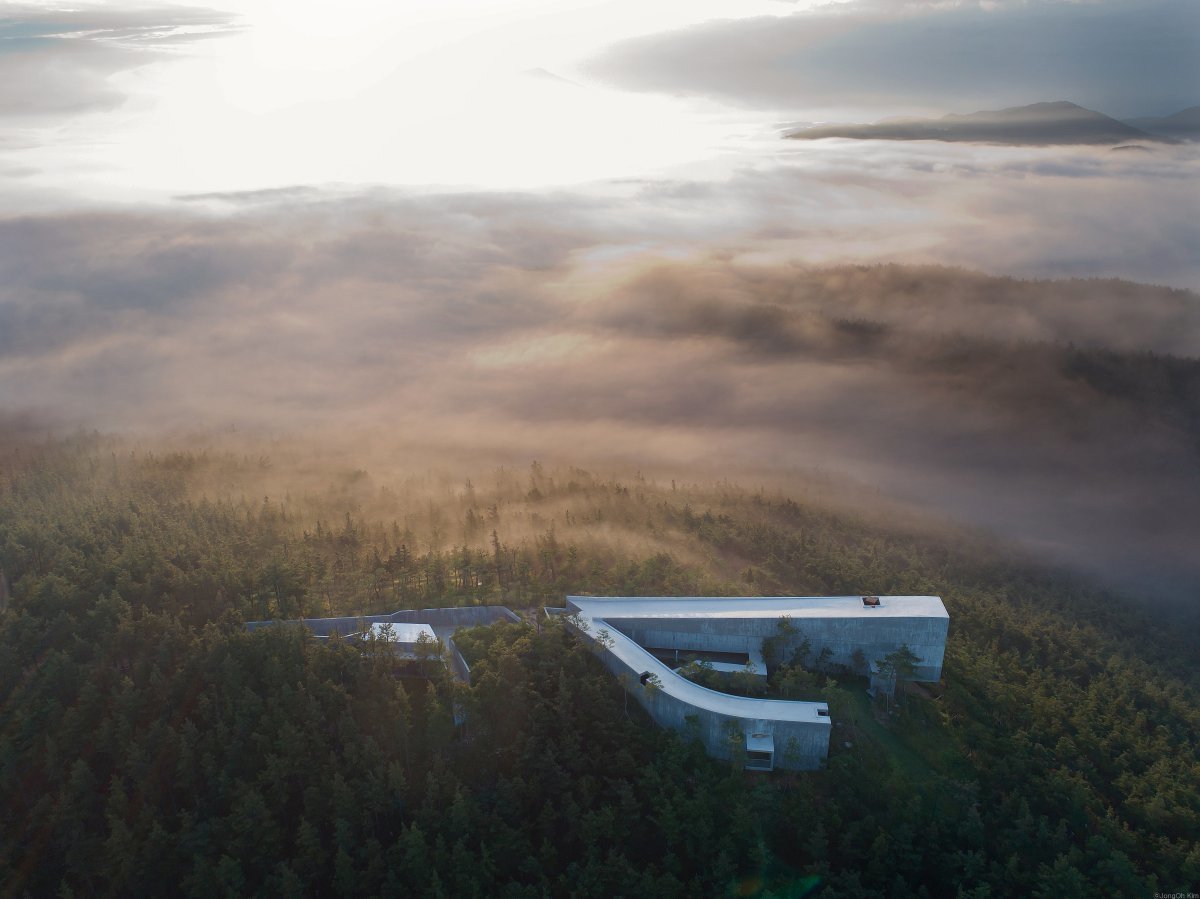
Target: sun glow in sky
x=103, y=104
x=472, y=93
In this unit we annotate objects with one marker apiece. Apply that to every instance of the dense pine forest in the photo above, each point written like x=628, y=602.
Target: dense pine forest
x=149, y=745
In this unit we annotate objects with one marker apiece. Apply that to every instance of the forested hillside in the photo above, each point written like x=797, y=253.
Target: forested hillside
x=150, y=746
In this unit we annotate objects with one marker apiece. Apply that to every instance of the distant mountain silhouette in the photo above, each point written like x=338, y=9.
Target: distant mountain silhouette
x=1041, y=124
x=1184, y=125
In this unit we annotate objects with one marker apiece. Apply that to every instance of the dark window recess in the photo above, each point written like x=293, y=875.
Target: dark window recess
x=677, y=657
x=870, y=600
x=758, y=755
x=824, y=713
x=645, y=676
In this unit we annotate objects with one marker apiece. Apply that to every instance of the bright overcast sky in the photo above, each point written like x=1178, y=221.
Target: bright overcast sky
x=433, y=92
x=105, y=102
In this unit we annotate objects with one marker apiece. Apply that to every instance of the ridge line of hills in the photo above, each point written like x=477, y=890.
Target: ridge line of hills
x=1038, y=124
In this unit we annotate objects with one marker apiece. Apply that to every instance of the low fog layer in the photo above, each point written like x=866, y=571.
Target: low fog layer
x=585, y=329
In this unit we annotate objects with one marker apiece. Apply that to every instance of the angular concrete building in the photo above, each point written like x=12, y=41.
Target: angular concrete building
x=640, y=638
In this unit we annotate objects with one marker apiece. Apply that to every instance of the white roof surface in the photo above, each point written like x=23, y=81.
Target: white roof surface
x=618, y=607
x=399, y=632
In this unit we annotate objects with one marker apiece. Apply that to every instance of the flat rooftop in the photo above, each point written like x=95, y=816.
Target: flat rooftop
x=400, y=632
x=618, y=607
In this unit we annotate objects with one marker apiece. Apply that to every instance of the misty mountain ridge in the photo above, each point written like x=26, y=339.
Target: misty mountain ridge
x=1183, y=125
x=1040, y=124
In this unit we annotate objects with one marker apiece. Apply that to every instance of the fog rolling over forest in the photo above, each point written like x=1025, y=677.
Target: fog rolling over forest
x=1062, y=413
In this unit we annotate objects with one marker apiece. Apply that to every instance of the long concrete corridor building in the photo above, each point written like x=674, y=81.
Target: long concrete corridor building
x=639, y=638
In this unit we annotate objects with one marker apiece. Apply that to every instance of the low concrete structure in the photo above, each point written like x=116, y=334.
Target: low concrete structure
x=633, y=634
x=405, y=628
x=408, y=641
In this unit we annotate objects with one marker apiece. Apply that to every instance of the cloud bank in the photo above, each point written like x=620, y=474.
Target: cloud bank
x=745, y=321
x=554, y=326
x=57, y=61
x=1123, y=59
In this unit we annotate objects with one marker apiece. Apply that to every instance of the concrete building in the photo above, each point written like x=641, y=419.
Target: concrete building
x=407, y=629
x=642, y=640
x=408, y=641
x=639, y=638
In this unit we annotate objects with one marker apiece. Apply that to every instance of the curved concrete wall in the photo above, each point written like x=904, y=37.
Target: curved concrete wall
x=800, y=731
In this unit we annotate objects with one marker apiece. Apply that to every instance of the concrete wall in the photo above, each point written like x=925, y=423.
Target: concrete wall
x=876, y=637
x=438, y=619
x=458, y=665
x=326, y=627
x=811, y=739
x=460, y=616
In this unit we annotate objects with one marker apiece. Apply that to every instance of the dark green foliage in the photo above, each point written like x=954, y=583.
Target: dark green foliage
x=149, y=746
